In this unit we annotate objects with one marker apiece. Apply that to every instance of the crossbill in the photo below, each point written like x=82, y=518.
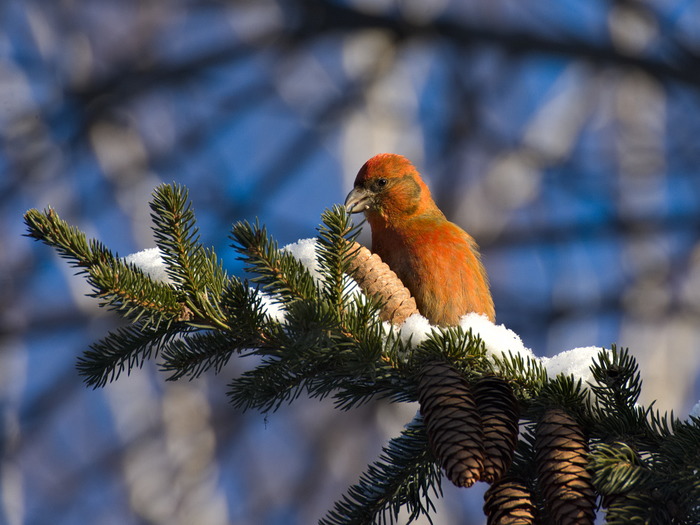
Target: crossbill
x=435, y=259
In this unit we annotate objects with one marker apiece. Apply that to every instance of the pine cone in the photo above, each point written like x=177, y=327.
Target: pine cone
x=561, y=456
x=499, y=418
x=453, y=423
x=378, y=280
x=509, y=502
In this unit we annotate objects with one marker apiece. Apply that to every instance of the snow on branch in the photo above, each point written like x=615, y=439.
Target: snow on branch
x=498, y=339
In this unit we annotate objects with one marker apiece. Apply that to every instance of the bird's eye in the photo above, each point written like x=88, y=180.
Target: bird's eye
x=380, y=183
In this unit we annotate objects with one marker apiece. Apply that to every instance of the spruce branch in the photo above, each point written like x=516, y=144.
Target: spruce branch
x=268, y=386
x=330, y=341
x=618, y=379
x=405, y=475
x=243, y=308
x=122, y=350
x=254, y=331
x=564, y=392
x=677, y=465
x=617, y=387
x=195, y=353
x=335, y=250
x=616, y=468
x=325, y=324
x=527, y=376
x=639, y=507
x=68, y=241
x=314, y=353
x=310, y=346
x=195, y=270
x=117, y=285
x=275, y=270
x=464, y=350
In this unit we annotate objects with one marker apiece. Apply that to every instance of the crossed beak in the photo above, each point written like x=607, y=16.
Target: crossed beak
x=358, y=200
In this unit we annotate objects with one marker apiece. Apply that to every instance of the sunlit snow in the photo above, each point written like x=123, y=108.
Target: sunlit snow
x=498, y=339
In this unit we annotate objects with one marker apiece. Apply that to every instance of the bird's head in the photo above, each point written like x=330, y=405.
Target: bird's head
x=388, y=188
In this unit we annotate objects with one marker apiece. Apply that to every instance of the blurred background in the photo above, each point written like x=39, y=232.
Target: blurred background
x=562, y=134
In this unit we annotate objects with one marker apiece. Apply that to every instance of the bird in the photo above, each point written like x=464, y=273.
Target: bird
x=435, y=259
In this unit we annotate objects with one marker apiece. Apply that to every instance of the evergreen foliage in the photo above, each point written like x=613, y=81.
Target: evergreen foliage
x=330, y=342
x=405, y=475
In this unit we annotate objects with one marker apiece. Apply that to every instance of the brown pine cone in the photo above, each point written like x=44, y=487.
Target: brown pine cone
x=499, y=412
x=561, y=452
x=453, y=423
x=509, y=502
x=378, y=280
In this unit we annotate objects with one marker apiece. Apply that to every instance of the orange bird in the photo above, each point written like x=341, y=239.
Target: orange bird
x=434, y=258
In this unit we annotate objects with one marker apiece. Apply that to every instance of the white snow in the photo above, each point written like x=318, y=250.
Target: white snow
x=151, y=263
x=575, y=362
x=415, y=329
x=498, y=339
x=270, y=306
x=305, y=251
x=695, y=411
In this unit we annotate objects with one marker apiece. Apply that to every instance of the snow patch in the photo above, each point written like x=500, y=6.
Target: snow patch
x=150, y=262
x=576, y=362
x=305, y=251
x=415, y=329
x=270, y=306
x=695, y=411
x=498, y=339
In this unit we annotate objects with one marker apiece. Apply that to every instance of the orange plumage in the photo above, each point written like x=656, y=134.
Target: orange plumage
x=435, y=259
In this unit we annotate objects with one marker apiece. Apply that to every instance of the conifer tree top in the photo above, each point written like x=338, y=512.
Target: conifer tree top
x=318, y=334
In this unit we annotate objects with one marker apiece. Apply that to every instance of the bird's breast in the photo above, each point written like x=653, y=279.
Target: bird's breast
x=442, y=269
